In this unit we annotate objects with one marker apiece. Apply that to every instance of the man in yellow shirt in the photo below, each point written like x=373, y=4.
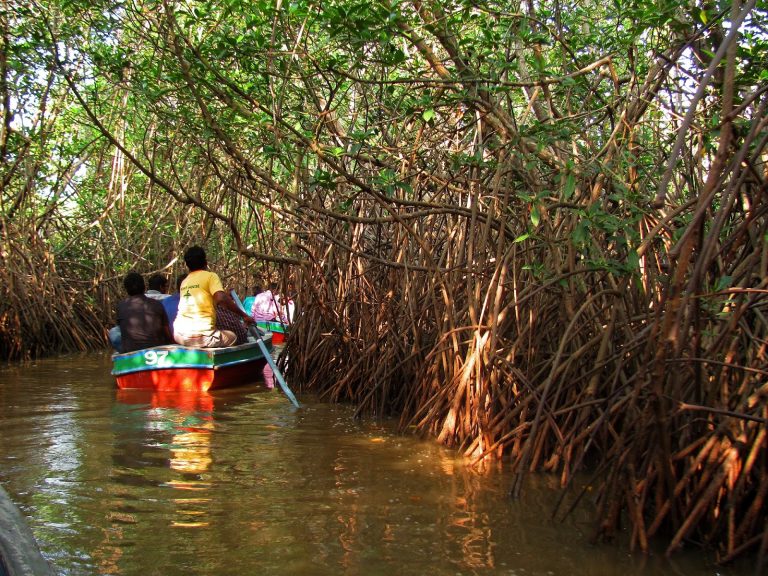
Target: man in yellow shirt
x=200, y=293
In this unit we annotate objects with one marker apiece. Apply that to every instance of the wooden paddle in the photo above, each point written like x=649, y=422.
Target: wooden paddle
x=254, y=331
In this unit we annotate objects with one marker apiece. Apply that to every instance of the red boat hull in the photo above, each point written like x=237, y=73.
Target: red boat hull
x=278, y=338
x=197, y=379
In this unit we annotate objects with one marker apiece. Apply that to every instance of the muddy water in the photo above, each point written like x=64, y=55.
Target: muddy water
x=240, y=482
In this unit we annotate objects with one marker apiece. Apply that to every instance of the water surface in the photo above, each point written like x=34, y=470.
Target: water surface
x=240, y=482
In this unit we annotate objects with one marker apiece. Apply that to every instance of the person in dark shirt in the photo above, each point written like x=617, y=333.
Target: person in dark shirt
x=142, y=321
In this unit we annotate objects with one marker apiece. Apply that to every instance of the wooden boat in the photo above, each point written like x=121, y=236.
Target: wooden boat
x=279, y=329
x=180, y=368
x=19, y=552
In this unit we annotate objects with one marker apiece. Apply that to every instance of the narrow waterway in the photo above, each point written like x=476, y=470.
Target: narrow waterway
x=240, y=482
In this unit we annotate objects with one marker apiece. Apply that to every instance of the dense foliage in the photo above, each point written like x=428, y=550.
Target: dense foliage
x=536, y=230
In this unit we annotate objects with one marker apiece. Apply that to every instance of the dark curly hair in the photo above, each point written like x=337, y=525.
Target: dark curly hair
x=134, y=283
x=195, y=258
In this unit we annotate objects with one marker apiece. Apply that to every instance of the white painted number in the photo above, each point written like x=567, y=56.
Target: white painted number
x=156, y=358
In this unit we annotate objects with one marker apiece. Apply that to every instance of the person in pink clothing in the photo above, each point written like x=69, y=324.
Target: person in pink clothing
x=266, y=305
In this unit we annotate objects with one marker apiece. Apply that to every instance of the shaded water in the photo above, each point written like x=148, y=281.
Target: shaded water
x=240, y=482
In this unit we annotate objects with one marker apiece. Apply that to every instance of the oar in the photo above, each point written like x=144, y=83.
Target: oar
x=255, y=333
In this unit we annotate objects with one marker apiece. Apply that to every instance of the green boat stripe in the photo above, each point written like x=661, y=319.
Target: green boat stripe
x=170, y=357
x=214, y=367
x=278, y=327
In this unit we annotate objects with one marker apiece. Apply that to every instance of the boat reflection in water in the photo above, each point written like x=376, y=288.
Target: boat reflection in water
x=184, y=401
x=188, y=417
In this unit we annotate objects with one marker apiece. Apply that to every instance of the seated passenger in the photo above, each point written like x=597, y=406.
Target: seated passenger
x=115, y=338
x=201, y=291
x=228, y=320
x=142, y=321
x=265, y=304
x=158, y=287
x=171, y=304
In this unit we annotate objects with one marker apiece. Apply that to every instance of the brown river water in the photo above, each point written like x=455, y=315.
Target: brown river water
x=240, y=482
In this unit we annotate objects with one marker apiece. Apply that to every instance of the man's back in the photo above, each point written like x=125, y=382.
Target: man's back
x=201, y=291
x=142, y=323
x=197, y=310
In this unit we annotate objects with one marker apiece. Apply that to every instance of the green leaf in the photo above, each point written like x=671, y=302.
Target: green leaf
x=427, y=115
x=580, y=234
x=535, y=215
x=570, y=186
x=405, y=187
x=633, y=261
x=723, y=283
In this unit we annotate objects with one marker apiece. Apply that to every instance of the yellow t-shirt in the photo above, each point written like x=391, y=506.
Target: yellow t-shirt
x=197, y=309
